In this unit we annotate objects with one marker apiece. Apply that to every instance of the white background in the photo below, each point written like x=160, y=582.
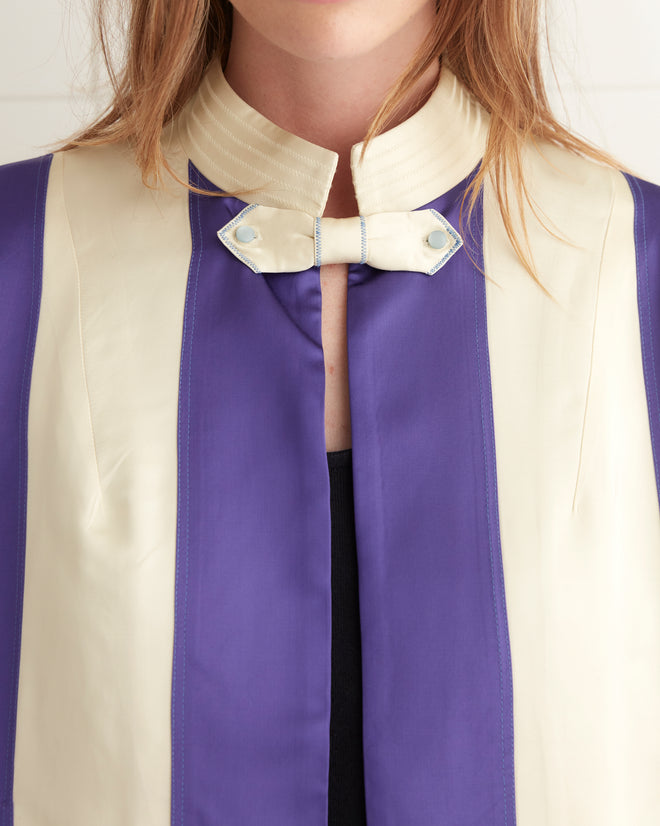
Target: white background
x=605, y=54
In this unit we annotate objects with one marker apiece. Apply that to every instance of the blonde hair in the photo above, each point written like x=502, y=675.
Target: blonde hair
x=493, y=46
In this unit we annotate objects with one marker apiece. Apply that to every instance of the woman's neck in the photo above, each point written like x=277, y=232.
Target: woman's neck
x=329, y=102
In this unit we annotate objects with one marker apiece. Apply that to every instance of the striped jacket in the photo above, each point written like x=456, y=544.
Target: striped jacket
x=165, y=596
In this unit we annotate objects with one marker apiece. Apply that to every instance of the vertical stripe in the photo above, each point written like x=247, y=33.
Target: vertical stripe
x=93, y=727
x=577, y=498
x=646, y=198
x=438, y=704
x=22, y=207
x=251, y=670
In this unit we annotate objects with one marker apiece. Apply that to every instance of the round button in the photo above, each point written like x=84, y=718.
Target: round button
x=437, y=239
x=245, y=234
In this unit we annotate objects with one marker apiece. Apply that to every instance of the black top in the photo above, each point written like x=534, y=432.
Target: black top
x=346, y=802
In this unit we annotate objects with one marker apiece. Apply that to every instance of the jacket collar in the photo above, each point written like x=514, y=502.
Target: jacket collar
x=238, y=148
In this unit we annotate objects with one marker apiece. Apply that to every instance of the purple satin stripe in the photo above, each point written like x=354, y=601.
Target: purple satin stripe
x=22, y=210
x=251, y=676
x=251, y=679
x=647, y=247
x=437, y=684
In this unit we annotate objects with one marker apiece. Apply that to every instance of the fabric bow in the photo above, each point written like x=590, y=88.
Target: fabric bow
x=269, y=239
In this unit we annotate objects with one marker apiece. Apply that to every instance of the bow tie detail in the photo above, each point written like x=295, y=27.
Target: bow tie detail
x=269, y=239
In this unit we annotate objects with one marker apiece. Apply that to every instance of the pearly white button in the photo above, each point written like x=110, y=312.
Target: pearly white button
x=245, y=234
x=437, y=239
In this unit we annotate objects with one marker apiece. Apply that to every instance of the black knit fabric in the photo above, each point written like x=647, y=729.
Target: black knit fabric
x=346, y=802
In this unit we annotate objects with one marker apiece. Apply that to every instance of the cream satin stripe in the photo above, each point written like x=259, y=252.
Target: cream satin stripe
x=579, y=515
x=93, y=727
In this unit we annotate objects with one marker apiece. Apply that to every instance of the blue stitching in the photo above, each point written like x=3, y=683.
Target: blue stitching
x=500, y=567
x=363, y=240
x=444, y=259
x=224, y=236
x=196, y=259
x=490, y=547
x=646, y=336
x=458, y=242
x=37, y=264
x=185, y=604
x=317, y=242
x=490, y=537
x=650, y=315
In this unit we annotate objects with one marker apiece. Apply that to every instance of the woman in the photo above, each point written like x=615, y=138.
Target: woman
x=454, y=329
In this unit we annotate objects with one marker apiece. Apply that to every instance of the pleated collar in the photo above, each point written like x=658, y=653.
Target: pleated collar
x=236, y=147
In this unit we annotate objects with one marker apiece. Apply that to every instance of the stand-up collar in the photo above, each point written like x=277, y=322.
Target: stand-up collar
x=238, y=148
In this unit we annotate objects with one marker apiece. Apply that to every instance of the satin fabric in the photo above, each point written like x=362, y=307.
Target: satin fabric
x=252, y=639
x=21, y=260
x=174, y=633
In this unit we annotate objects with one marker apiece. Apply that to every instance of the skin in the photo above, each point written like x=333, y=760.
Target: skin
x=320, y=70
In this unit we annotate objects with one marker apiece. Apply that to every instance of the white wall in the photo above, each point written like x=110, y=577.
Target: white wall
x=48, y=84
x=605, y=54
x=606, y=57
